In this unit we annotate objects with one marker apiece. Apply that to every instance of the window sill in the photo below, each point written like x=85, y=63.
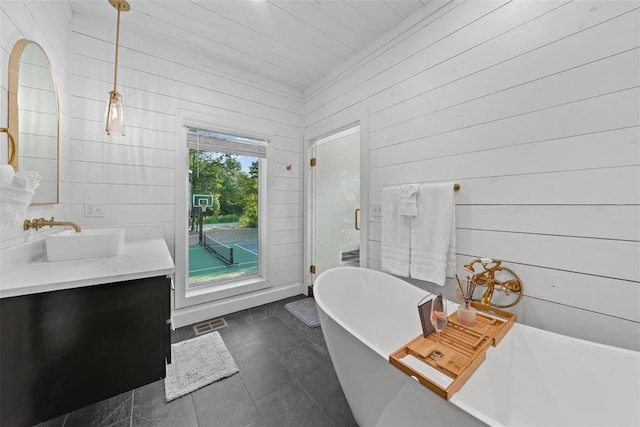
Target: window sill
x=228, y=289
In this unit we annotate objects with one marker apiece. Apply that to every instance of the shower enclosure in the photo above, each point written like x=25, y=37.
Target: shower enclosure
x=335, y=176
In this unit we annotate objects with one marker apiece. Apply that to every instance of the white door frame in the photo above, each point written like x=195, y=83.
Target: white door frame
x=311, y=135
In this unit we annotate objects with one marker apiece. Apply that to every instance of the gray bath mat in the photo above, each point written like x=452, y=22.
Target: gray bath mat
x=196, y=363
x=305, y=310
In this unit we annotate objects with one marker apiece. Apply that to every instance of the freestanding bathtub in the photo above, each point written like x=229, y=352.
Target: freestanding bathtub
x=533, y=377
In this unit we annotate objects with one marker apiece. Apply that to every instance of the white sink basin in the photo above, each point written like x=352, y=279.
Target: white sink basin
x=89, y=243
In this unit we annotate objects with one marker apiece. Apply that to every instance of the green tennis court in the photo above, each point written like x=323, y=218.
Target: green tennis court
x=204, y=266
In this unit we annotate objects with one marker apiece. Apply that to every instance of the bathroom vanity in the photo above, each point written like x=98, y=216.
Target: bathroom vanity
x=76, y=332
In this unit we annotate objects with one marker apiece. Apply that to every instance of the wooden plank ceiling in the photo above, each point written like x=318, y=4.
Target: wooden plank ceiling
x=295, y=42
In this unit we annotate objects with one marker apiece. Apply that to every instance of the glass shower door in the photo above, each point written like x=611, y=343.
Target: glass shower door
x=336, y=185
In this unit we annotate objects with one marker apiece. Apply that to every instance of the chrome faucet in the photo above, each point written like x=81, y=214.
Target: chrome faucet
x=38, y=223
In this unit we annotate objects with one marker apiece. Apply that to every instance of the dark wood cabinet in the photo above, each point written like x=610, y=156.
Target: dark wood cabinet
x=62, y=350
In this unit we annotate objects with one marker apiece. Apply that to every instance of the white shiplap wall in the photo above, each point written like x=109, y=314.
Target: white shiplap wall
x=534, y=108
x=48, y=24
x=134, y=176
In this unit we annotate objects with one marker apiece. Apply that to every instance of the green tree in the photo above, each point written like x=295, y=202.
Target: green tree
x=253, y=170
x=249, y=217
x=235, y=191
x=230, y=179
x=205, y=170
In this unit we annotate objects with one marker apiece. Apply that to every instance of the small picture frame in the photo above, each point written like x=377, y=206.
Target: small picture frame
x=424, y=310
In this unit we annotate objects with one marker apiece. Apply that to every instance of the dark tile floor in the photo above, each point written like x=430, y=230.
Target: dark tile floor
x=286, y=379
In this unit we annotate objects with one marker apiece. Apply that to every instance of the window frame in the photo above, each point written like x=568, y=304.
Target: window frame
x=184, y=296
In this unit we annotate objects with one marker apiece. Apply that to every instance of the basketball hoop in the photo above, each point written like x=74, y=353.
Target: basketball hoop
x=202, y=200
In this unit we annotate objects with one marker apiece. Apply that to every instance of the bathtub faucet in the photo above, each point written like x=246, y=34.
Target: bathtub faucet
x=487, y=278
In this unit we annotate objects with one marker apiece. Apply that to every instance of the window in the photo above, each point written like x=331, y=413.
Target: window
x=223, y=221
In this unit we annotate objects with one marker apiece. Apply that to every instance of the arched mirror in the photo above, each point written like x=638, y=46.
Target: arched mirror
x=33, y=117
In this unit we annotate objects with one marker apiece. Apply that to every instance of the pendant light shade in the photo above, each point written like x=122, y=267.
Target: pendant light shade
x=115, y=110
x=115, y=114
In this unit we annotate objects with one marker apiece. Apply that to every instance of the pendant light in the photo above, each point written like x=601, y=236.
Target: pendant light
x=115, y=113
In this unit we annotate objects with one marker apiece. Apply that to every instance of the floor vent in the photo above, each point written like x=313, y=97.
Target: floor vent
x=209, y=326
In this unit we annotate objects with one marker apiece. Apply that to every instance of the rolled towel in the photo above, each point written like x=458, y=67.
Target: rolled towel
x=34, y=182
x=6, y=174
x=26, y=180
x=408, y=205
x=20, y=181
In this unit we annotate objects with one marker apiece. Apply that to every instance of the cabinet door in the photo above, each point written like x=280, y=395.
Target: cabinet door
x=167, y=328
x=66, y=349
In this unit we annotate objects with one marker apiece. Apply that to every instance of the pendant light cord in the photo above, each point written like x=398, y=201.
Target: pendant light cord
x=115, y=71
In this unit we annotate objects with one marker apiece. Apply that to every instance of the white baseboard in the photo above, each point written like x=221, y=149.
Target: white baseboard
x=187, y=316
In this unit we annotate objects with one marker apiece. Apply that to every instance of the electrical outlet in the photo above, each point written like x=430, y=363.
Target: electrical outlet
x=93, y=210
x=376, y=210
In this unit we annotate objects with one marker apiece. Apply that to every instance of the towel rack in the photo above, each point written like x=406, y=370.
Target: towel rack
x=12, y=146
x=456, y=186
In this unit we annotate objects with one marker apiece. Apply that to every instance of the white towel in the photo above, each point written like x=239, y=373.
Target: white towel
x=408, y=204
x=6, y=174
x=433, y=237
x=396, y=235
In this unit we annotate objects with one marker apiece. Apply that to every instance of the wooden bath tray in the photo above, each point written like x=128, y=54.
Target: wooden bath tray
x=464, y=351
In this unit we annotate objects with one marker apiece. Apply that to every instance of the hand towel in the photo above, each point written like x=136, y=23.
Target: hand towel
x=396, y=235
x=408, y=205
x=6, y=174
x=433, y=238
x=20, y=181
x=26, y=180
x=16, y=192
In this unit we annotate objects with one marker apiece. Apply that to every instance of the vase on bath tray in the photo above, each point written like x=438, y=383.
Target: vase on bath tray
x=467, y=314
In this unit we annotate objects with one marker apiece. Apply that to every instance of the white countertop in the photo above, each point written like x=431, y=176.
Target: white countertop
x=140, y=259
